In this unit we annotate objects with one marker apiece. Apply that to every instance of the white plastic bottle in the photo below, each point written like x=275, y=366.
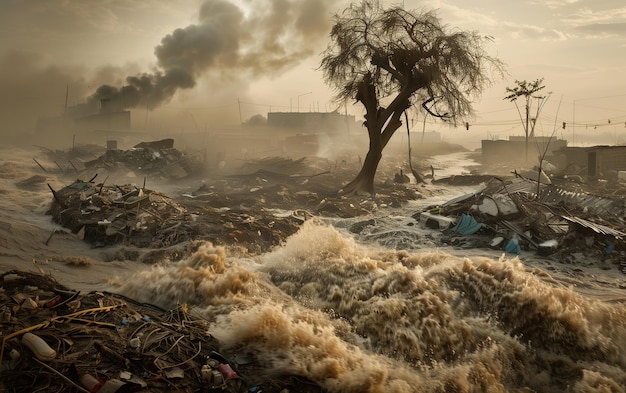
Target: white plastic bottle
x=39, y=347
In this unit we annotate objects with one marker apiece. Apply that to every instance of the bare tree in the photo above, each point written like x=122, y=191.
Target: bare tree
x=528, y=90
x=388, y=59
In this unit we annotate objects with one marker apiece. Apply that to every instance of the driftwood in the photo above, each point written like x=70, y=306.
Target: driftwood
x=40, y=166
x=56, y=197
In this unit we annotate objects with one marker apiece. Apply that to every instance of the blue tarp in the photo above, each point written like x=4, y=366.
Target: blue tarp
x=512, y=247
x=466, y=225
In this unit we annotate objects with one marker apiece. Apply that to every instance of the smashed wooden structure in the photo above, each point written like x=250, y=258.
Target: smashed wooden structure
x=546, y=218
x=154, y=159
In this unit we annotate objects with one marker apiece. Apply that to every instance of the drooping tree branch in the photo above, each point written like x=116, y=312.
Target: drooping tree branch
x=430, y=112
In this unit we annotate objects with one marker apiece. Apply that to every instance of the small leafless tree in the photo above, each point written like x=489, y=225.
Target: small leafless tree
x=388, y=59
x=528, y=90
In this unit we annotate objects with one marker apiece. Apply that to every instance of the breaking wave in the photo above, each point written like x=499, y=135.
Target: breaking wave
x=357, y=318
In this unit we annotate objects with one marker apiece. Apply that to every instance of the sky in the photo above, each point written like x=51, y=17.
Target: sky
x=241, y=58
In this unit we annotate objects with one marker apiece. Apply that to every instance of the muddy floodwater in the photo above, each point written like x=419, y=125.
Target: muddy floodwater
x=384, y=310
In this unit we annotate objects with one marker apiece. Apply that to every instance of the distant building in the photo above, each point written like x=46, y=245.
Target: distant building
x=594, y=161
x=312, y=122
x=85, y=122
x=569, y=158
x=85, y=118
x=103, y=122
x=305, y=133
x=513, y=150
x=601, y=159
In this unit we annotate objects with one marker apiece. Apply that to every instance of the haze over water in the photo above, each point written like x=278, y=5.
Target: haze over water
x=363, y=314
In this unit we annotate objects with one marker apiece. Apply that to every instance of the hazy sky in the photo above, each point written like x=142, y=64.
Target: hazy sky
x=243, y=57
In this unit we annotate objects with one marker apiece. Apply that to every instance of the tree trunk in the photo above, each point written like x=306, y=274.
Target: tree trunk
x=363, y=183
x=381, y=124
x=526, y=129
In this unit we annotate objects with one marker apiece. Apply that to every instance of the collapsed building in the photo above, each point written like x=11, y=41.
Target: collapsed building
x=155, y=160
x=520, y=214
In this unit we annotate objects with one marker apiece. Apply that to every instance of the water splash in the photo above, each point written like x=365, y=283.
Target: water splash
x=354, y=318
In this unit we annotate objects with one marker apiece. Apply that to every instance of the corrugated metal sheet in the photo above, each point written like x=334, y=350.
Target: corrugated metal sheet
x=463, y=198
x=519, y=185
x=595, y=204
x=598, y=228
x=557, y=196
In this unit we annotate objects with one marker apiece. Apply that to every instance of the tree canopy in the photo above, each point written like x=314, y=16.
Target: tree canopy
x=390, y=59
x=528, y=90
x=404, y=52
x=524, y=89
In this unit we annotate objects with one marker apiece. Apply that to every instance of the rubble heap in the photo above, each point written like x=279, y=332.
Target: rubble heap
x=155, y=160
x=58, y=340
x=255, y=211
x=131, y=215
x=158, y=159
x=520, y=214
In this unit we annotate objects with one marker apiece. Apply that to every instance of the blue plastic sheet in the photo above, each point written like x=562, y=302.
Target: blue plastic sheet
x=512, y=247
x=466, y=225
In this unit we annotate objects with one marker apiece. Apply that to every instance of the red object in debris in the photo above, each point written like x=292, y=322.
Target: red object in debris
x=53, y=302
x=227, y=371
x=91, y=383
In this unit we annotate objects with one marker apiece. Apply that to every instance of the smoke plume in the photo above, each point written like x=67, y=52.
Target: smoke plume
x=259, y=39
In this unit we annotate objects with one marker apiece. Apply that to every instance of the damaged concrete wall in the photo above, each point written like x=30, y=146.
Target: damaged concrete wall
x=604, y=159
x=512, y=151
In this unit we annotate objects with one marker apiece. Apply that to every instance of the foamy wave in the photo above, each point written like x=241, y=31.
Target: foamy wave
x=203, y=280
x=354, y=318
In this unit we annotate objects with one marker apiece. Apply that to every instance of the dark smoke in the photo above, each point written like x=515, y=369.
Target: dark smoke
x=228, y=43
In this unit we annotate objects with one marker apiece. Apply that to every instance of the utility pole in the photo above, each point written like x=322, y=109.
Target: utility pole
x=527, y=116
x=67, y=93
x=573, y=122
x=240, y=119
x=303, y=94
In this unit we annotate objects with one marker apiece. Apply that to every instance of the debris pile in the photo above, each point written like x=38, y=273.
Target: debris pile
x=58, y=340
x=158, y=159
x=71, y=160
x=304, y=184
x=520, y=214
x=107, y=214
x=255, y=210
x=104, y=215
x=275, y=165
x=155, y=160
